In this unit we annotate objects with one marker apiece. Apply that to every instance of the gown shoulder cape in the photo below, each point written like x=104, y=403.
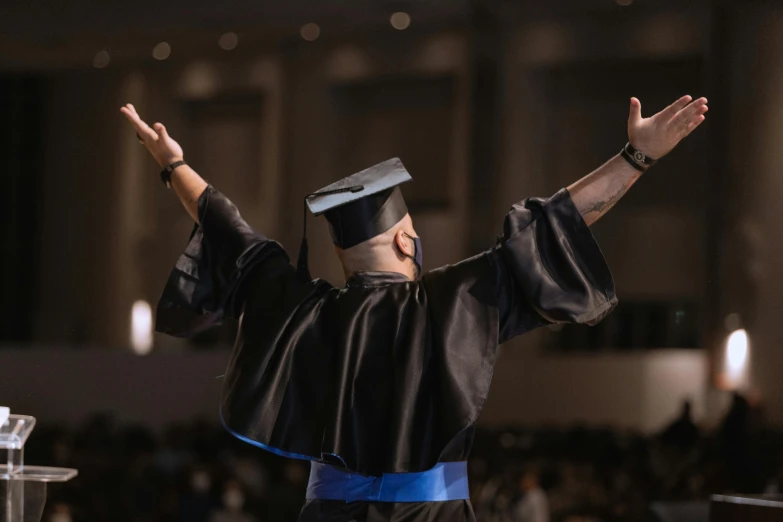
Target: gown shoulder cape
x=384, y=375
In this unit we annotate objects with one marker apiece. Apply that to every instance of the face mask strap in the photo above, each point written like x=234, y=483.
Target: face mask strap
x=417, y=256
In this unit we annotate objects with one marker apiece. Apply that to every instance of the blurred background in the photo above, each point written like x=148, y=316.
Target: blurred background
x=675, y=396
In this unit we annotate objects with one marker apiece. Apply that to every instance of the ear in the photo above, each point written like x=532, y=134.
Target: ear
x=404, y=243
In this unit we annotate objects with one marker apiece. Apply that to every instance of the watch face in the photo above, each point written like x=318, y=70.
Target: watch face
x=639, y=156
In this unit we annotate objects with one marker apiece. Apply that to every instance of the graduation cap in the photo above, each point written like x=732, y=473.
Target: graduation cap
x=358, y=207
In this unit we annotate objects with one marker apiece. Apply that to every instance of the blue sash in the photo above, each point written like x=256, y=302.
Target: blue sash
x=446, y=481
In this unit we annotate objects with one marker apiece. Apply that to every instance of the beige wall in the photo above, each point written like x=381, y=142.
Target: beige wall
x=638, y=391
x=61, y=385
x=56, y=384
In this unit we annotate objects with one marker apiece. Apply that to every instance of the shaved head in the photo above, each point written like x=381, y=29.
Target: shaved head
x=390, y=251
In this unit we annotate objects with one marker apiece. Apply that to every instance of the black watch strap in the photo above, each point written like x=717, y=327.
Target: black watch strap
x=636, y=158
x=627, y=157
x=165, y=174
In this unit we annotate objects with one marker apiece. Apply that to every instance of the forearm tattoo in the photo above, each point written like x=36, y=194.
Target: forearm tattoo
x=595, y=208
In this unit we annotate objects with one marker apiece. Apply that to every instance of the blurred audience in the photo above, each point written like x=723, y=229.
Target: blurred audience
x=683, y=432
x=199, y=473
x=233, y=509
x=534, y=506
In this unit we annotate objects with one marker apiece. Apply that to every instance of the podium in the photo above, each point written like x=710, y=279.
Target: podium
x=22, y=487
x=746, y=508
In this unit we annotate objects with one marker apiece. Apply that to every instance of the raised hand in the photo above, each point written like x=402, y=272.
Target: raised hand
x=657, y=135
x=162, y=147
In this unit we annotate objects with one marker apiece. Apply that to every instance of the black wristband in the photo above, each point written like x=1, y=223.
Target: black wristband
x=165, y=174
x=638, y=156
x=627, y=157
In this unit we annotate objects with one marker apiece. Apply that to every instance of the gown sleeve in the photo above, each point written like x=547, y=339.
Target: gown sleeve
x=549, y=268
x=205, y=285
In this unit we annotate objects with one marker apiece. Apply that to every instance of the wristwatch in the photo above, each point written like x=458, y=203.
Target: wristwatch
x=165, y=174
x=636, y=158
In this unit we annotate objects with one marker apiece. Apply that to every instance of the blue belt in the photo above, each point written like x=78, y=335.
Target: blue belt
x=446, y=481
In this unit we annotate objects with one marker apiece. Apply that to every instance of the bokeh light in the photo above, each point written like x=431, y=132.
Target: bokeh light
x=228, y=41
x=310, y=32
x=141, y=328
x=161, y=51
x=400, y=20
x=101, y=59
x=736, y=352
x=735, y=365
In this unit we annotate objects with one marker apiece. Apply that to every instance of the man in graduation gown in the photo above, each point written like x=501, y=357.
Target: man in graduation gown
x=379, y=382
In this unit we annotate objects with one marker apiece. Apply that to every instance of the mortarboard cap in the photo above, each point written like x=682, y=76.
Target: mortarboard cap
x=358, y=207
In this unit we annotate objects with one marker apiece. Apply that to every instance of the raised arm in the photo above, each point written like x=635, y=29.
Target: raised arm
x=209, y=280
x=656, y=136
x=187, y=184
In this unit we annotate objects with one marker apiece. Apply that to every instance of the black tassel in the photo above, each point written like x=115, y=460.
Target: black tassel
x=303, y=264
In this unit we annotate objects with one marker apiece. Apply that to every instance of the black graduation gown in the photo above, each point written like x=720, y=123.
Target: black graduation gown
x=384, y=375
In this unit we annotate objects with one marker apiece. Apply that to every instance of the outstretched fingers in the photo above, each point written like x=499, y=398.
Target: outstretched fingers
x=689, y=118
x=690, y=113
x=669, y=112
x=144, y=131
